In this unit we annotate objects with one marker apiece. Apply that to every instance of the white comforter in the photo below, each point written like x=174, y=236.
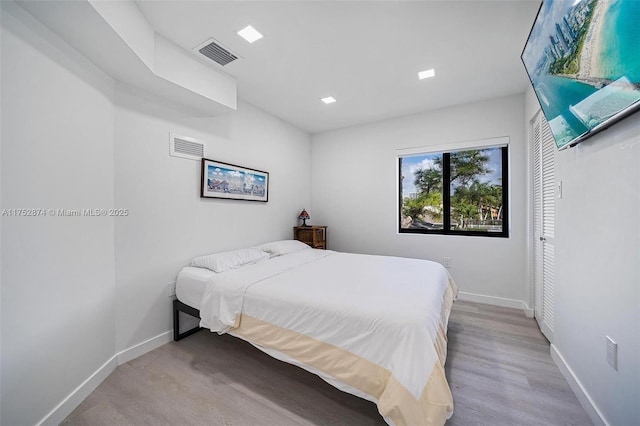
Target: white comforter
x=384, y=309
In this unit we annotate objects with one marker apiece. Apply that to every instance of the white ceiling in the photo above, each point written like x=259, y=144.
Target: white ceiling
x=366, y=54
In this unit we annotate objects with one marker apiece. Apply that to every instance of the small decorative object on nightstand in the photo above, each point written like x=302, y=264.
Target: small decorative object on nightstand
x=313, y=235
x=304, y=216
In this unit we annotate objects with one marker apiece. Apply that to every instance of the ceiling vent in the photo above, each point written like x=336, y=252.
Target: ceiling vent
x=185, y=147
x=214, y=51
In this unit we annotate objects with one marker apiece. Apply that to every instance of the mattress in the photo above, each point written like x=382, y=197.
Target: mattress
x=373, y=326
x=191, y=283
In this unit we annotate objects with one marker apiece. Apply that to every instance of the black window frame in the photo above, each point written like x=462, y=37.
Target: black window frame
x=446, y=197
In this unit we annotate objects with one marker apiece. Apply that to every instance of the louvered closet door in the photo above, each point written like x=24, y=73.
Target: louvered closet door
x=544, y=195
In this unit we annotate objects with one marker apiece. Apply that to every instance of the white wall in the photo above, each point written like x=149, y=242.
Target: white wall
x=354, y=192
x=57, y=272
x=169, y=223
x=81, y=293
x=597, y=264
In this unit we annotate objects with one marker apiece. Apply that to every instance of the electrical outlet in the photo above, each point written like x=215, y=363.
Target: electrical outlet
x=612, y=353
x=171, y=289
x=447, y=262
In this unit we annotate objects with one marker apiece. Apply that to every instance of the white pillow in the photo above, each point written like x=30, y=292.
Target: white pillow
x=277, y=248
x=226, y=260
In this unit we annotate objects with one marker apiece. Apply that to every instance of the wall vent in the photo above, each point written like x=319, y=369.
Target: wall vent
x=185, y=147
x=215, y=52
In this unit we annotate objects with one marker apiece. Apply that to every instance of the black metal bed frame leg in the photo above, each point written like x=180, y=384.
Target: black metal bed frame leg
x=178, y=307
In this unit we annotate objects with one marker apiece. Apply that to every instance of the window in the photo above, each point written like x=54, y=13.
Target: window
x=462, y=192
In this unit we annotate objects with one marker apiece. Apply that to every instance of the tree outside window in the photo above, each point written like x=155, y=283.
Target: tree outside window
x=458, y=192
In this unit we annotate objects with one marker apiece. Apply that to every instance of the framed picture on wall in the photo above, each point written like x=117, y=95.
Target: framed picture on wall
x=223, y=180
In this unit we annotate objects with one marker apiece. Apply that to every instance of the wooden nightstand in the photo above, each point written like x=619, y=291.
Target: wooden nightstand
x=315, y=236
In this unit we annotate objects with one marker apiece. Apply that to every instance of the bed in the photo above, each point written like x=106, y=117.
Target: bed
x=372, y=326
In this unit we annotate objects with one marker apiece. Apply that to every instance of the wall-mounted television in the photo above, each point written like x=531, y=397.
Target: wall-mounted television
x=583, y=60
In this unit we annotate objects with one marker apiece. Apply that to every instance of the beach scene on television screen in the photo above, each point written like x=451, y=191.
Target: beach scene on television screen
x=234, y=183
x=584, y=63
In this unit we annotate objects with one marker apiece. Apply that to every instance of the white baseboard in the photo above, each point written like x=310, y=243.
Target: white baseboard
x=528, y=312
x=585, y=400
x=144, y=347
x=496, y=301
x=62, y=410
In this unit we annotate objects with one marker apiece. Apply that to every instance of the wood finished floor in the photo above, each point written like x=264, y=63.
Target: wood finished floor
x=499, y=370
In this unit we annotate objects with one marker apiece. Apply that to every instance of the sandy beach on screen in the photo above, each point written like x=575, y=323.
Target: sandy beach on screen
x=590, y=57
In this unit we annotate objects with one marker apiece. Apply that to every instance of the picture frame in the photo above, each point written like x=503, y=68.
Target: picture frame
x=233, y=182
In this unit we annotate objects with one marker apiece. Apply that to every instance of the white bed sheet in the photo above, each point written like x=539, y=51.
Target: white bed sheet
x=305, y=292
x=191, y=283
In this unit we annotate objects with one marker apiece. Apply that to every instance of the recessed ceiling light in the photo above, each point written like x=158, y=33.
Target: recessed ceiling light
x=250, y=34
x=426, y=74
x=328, y=100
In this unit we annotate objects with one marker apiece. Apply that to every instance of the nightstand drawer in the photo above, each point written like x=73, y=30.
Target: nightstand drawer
x=315, y=236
